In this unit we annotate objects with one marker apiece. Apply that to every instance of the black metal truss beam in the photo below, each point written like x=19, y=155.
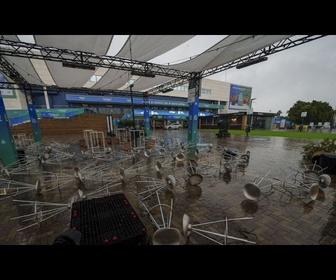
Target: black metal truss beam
x=174, y=83
x=171, y=84
x=271, y=49
x=21, y=49
x=10, y=71
x=38, y=88
x=8, y=85
x=96, y=91
x=84, y=59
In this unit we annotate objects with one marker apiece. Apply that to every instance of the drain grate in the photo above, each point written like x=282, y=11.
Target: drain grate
x=108, y=220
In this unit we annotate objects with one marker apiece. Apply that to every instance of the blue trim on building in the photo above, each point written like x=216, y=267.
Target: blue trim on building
x=152, y=101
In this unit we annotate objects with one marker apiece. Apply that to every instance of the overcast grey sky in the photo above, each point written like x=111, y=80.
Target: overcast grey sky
x=306, y=72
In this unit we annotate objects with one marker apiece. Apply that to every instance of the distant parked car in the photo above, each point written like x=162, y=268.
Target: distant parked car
x=173, y=126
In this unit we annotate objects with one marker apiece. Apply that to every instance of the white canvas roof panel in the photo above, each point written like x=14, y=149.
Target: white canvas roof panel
x=142, y=48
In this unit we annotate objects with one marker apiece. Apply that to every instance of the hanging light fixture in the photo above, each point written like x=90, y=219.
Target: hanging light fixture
x=147, y=73
x=251, y=62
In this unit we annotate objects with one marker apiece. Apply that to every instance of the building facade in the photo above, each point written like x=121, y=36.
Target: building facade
x=216, y=98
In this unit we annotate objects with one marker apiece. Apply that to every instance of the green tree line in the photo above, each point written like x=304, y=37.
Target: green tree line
x=317, y=111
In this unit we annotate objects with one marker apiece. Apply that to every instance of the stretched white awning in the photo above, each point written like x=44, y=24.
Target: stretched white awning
x=144, y=48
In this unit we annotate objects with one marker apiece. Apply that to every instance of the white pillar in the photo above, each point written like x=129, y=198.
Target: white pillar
x=46, y=97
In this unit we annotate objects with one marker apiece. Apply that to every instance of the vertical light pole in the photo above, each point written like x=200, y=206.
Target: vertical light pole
x=132, y=107
x=251, y=110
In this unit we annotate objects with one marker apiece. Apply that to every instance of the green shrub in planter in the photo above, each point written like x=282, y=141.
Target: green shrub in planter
x=326, y=146
x=126, y=123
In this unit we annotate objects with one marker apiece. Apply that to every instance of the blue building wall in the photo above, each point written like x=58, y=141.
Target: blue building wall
x=66, y=99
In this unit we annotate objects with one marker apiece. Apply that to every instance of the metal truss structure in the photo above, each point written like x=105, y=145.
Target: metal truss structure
x=85, y=59
x=37, y=88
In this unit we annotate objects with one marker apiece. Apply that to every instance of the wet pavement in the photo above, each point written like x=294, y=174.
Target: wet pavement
x=209, y=209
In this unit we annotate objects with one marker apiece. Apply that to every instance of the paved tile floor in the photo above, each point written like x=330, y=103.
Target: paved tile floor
x=211, y=212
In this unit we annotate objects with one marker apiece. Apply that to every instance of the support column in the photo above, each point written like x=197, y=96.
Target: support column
x=8, y=152
x=46, y=97
x=33, y=117
x=146, y=116
x=132, y=105
x=194, y=91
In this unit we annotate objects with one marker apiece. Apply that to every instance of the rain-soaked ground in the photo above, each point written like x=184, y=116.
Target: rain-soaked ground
x=257, y=194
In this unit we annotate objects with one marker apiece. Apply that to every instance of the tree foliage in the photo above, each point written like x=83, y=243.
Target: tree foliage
x=317, y=111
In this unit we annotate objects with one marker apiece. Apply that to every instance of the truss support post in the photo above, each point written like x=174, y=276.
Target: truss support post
x=8, y=152
x=146, y=116
x=33, y=116
x=194, y=91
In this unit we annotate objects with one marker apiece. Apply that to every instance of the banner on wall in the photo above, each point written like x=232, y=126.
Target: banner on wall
x=240, y=97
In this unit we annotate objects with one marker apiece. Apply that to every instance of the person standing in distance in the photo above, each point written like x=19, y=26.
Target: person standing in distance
x=247, y=129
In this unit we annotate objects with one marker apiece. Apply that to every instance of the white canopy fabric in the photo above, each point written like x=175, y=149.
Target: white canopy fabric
x=141, y=48
x=137, y=47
